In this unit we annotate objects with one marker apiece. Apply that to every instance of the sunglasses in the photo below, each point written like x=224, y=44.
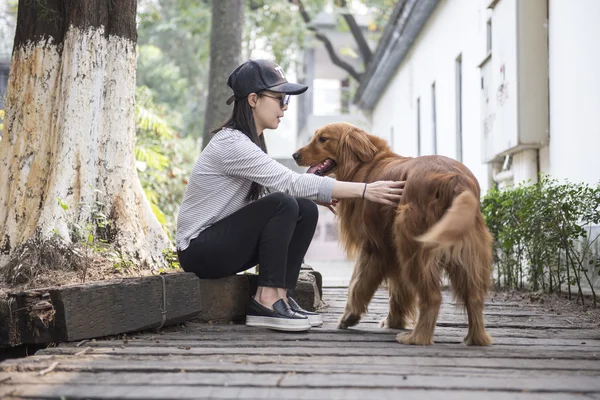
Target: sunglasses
x=283, y=101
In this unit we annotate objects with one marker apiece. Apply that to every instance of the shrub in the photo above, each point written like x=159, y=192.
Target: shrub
x=544, y=235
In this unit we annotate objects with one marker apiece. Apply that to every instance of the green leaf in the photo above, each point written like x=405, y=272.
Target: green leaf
x=63, y=205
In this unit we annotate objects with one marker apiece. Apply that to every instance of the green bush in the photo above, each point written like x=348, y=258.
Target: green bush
x=543, y=237
x=164, y=160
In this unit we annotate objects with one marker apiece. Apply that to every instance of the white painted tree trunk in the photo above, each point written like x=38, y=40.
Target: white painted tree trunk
x=69, y=134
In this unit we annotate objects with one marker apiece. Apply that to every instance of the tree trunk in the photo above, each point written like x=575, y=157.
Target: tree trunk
x=69, y=130
x=225, y=51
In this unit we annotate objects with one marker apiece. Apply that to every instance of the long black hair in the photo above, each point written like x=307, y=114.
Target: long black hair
x=242, y=120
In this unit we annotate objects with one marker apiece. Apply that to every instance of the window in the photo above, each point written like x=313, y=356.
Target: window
x=327, y=98
x=489, y=36
x=433, y=120
x=418, y=126
x=345, y=96
x=459, y=124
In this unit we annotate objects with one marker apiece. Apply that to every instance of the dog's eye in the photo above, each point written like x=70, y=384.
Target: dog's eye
x=322, y=139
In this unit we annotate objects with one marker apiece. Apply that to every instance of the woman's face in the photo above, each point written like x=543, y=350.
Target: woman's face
x=267, y=110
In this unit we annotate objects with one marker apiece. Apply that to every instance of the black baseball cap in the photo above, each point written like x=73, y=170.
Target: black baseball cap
x=254, y=76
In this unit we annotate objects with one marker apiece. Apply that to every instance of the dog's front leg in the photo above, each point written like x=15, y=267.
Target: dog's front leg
x=366, y=277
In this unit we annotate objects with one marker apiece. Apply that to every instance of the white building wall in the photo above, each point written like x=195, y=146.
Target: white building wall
x=457, y=27
x=574, y=53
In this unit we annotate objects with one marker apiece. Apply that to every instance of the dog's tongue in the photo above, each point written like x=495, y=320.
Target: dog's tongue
x=312, y=169
x=318, y=167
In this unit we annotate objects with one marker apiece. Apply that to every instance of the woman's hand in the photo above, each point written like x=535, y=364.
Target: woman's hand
x=329, y=206
x=385, y=192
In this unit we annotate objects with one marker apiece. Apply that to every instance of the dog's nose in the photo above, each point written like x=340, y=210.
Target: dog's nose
x=296, y=156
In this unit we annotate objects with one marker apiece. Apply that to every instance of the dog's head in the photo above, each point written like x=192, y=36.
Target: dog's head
x=334, y=148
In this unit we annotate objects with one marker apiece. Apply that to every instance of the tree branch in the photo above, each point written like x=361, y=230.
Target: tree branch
x=363, y=46
x=335, y=59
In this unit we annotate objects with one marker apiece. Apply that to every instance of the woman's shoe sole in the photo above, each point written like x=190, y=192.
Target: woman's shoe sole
x=315, y=320
x=279, y=324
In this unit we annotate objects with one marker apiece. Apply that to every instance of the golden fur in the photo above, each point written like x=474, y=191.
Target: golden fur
x=437, y=226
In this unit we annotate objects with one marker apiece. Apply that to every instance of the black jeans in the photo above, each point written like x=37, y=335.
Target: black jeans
x=273, y=231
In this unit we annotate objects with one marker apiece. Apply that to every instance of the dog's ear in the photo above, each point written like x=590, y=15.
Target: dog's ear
x=355, y=142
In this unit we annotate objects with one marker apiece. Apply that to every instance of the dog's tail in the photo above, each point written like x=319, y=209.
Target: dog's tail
x=455, y=223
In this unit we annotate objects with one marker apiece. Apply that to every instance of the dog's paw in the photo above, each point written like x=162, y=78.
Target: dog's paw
x=388, y=323
x=411, y=338
x=480, y=339
x=348, y=320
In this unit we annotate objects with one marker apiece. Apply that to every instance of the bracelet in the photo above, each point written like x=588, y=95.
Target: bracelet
x=364, y=190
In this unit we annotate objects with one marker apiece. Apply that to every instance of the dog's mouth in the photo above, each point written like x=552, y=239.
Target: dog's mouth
x=322, y=168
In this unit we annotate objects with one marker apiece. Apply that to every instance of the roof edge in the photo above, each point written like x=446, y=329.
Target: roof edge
x=405, y=25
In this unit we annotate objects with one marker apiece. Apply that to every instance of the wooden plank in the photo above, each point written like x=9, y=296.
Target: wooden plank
x=220, y=392
x=491, y=322
x=491, y=311
x=348, y=351
x=32, y=318
x=339, y=295
x=389, y=366
x=7, y=326
x=102, y=308
x=442, y=336
x=567, y=384
x=109, y=362
x=192, y=328
x=332, y=341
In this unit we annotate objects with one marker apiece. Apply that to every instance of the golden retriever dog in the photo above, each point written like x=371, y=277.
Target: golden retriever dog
x=436, y=227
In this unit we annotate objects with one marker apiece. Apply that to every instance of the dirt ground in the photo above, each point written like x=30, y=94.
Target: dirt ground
x=556, y=303
x=44, y=263
x=54, y=269
x=64, y=278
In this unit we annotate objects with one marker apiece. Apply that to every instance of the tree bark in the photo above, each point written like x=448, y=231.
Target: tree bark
x=363, y=46
x=335, y=59
x=225, y=52
x=69, y=130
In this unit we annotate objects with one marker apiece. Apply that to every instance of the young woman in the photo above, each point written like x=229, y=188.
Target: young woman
x=227, y=224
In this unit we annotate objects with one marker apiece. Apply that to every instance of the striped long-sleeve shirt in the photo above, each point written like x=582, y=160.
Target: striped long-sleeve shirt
x=221, y=180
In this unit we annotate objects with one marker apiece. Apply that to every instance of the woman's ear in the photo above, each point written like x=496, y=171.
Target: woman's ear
x=356, y=142
x=252, y=99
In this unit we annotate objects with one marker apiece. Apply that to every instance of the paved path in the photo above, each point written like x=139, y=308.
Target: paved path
x=536, y=355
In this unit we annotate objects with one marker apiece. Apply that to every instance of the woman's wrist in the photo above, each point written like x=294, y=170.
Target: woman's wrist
x=359, y=188
x=345, y=190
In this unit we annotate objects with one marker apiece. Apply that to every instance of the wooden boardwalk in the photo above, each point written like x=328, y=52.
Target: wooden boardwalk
x=536, y=355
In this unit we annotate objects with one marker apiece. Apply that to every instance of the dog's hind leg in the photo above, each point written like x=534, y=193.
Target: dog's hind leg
x=470, y=282
x=402, y=303
x=426, y=277
x=366, y=277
